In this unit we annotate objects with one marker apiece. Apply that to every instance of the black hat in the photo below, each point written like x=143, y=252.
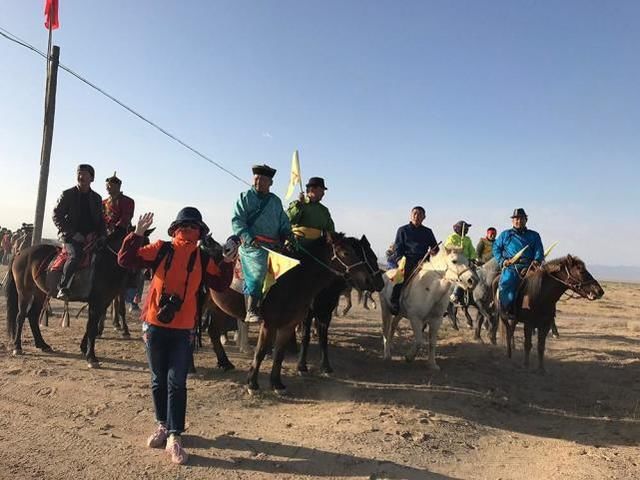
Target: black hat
x=188, y=215
x=265, y=170
x=87, y=168
x=316, y=182
x=114, y=179
x=461, y=226
x=519, y=212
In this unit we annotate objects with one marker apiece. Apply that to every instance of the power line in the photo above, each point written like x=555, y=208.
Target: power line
x=13, y=38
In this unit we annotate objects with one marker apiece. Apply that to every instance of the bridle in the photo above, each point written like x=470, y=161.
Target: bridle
x=572, y=283
x=347, y=267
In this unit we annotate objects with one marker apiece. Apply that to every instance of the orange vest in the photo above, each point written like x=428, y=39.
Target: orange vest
x=173, y=282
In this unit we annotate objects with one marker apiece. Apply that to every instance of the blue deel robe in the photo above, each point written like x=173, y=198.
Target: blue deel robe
x=505, y=247
x=272, y=222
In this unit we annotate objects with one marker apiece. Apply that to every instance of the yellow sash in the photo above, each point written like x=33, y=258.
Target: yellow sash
x=308, y=233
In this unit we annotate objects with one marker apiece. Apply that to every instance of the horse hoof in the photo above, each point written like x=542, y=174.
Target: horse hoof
x=280, y=392
x=303, y=371
x=434, y=367
x=17, y=352
x=225, y=367
x=126, y=335
x=253, y=391
x=46, y=349
x=408, y=358
x=93, y=364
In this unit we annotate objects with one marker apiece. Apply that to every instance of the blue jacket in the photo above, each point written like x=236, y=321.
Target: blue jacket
x=259, y=214
x=413, y=242
x=512, y=241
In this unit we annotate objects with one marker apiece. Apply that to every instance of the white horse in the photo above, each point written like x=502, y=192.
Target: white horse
x=424, y=300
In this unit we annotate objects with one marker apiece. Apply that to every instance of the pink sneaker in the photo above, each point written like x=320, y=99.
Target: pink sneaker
x=158, y=438
x=176, y=452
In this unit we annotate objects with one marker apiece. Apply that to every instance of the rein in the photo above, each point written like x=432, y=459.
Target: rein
x=347, y=267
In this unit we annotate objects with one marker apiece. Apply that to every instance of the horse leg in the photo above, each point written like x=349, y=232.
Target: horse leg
x=434, y=327
x=323, y=322
x=23, y=309
x=542, y=339
x=478, y=329
x=554, y=329
x=389, y=324
x=465, y=309
x=418, y=339
x=214, y=334
x=304, y=345
x=243, y=337
x=528, y=332
x=115, y=314
x=282, y=339
x=348, y=305
x=34, y=315
x=96, y=311
x=452, y=312
x=122, y=313
x=65, y=316
x=265, y=340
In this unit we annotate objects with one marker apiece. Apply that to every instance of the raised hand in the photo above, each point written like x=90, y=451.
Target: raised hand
x=144, y=222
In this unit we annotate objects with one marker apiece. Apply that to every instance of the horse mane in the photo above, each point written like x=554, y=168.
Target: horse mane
x=533, y=281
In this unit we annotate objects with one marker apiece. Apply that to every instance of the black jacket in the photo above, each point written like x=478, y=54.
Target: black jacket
x=414, y=242
x=66, y=213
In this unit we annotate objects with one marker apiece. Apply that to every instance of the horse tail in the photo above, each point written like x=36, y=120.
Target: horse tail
x=11, y=295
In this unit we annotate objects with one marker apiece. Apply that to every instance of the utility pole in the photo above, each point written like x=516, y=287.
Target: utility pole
x=47, y=139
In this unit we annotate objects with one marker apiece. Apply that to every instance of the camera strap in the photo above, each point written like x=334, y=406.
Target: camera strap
x=190, y=265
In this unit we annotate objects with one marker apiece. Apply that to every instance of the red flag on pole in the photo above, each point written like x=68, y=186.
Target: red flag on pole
x=51, y=21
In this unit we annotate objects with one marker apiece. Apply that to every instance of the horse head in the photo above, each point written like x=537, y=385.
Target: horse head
x=572, y=272
x=212, y=247
x=355, y=260
x=459, y=269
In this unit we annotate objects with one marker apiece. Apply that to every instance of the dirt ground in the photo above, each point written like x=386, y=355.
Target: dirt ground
x=481, y=416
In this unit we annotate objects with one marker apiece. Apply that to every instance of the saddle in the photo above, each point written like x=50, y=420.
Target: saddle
x=82, y=280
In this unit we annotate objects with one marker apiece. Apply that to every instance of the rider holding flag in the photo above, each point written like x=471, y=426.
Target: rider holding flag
x=516, y=250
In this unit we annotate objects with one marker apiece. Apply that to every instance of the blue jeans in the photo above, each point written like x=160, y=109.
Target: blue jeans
x=169, y=354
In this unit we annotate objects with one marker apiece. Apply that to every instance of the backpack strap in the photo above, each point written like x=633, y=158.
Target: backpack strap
x=166, y=250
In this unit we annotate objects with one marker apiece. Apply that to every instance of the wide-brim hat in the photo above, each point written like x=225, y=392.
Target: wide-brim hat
x=188, y=215
x=316, y=182
x=519, y=212
x=85, y=167
x=264, y=169
x=114, y=179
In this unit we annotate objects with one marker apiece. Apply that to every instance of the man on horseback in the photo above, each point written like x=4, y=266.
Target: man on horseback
x=507, y=245
x=258, y=219
x=484, y=248
x=413, y=241
x=309, y=218
x=78, y=215
x=118, y=208
x=460, y=240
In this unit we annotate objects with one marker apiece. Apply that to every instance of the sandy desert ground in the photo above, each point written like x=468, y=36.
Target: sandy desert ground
x=481, y=416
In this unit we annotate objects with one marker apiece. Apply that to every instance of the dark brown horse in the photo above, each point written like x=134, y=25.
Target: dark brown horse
x=26, y=290
x=537, y=297
x=287, y=303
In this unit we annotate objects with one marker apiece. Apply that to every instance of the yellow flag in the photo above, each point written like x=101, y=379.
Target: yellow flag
x=397, y=275
x=278, y=265
x=549, y=249
x=295, y=175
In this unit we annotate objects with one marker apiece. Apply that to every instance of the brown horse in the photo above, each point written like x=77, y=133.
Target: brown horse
x=287, y=302
x=26, y=291
x=537, y=297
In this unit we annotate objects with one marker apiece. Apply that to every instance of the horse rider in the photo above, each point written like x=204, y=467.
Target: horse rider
x=78, y=214
x=6, y=246
x=117, y=207
x=309, y=218
x=258, y=219
x=170, y=314
x=460, y=240
x=413, y=241
x=506, y=246
x=484, y=248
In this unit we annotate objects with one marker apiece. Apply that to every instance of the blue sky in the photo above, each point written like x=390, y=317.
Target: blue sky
x=469, y=108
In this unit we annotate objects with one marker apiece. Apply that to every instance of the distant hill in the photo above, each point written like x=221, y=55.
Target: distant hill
x=616, y=273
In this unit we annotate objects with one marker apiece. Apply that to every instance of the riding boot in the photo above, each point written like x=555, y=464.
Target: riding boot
x=394, y=307
x=253, y=309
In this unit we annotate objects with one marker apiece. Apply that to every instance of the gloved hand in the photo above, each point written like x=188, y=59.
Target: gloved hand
x=302, y=198
x=230, y=249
